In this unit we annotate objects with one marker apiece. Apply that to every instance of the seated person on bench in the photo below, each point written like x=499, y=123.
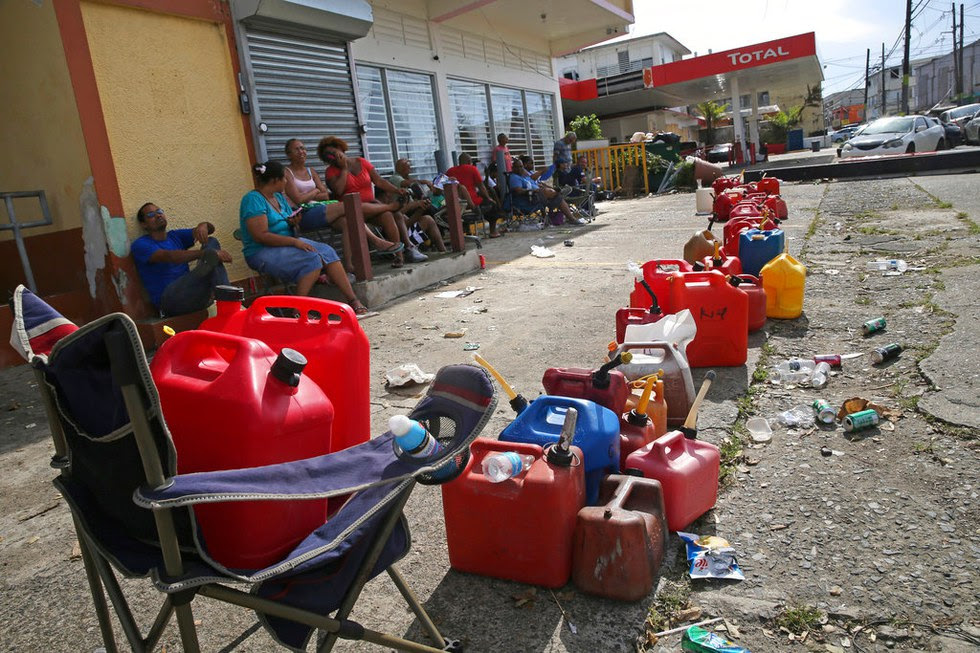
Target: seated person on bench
x=162, y=259
x=471, y=183
x=417, y=210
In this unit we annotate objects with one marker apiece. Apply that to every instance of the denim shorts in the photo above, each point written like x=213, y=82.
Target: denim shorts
x=292, y=263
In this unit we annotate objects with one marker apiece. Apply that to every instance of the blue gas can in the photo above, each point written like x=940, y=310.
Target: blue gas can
x=756, y=248
x=596, y=434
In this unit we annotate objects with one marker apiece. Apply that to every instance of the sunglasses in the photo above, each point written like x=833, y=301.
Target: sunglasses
x=153, y=214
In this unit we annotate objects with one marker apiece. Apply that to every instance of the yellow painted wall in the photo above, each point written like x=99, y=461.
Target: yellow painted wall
x=170, y=100
x=41, y=144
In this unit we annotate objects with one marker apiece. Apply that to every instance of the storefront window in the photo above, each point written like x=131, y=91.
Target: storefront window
x=473, y=134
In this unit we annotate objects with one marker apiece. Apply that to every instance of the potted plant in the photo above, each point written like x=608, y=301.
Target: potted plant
x=588, y=131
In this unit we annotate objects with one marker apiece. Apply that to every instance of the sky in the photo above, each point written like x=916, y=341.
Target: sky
x=844, y=29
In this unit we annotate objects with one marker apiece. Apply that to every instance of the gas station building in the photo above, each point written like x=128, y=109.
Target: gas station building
x=783, y=67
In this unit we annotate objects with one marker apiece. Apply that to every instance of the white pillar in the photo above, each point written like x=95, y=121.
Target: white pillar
x=754, y=122
x=737, y=116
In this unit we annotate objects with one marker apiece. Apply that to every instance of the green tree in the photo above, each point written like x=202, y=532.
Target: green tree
x=712, y=112
x=586, y=128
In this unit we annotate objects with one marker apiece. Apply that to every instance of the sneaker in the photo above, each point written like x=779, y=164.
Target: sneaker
x=577, y=221
x=413, y=255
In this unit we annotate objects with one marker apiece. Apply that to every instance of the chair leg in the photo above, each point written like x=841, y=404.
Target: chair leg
x=98, y=596
x=413, y=603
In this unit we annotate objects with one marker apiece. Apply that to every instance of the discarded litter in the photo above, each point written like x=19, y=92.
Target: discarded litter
x=569, y=243
x=541, y=252
x=452, y=294
x=407, y=374
x=857, y=404
x=454, y=334
x=824, y=412
x=711, y=556
x=471, y=346
x=797, y=416
x=759, y=429
x=861, y=420
x=896, y=266
x=800, y=371
x=820, y=375
x=872, y=326
x=699, y=640
x=886, y=353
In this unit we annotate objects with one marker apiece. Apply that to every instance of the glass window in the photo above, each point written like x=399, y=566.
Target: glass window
x=374, y=105
x=508, y=118
x=474, y=133
x=413, y=113
x=541, y=119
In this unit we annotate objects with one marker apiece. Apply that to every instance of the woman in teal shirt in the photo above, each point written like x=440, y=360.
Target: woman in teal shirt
x=271, y=248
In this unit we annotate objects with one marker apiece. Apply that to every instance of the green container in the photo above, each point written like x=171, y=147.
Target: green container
x=702, y=641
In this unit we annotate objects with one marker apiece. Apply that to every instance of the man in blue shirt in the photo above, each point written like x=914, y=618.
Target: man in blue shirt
x=563, y=149
x=162, y=259
x=529, y=196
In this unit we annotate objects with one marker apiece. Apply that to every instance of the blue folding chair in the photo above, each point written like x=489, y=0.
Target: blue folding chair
x=133, y=515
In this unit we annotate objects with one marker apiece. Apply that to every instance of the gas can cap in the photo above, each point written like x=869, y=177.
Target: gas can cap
x=229, y=294
x=289, y=366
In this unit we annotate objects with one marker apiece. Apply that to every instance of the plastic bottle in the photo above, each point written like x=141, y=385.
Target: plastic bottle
x=412, y=438
x=795, y=370
x=498, y=467
x=821, y=372
x=885, y=265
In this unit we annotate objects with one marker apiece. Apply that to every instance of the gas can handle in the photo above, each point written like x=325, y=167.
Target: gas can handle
x=302, y=305
x=622, y=493
x=661, y=444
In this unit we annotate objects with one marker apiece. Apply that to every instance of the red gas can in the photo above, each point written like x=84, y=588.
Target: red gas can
x=768, y=185
x=637, y=427
x=605, y=386
x=722, y=262
x=735, y=227
x=777, y=205
x=520, y=529
x=619, y=544
x=721, y=208
x=752, y=287
x=745, y=210
x=687, y=470
x=231, y=403
x=721, y=313
x=656, y=274
x=328, y=334
x=629, y=315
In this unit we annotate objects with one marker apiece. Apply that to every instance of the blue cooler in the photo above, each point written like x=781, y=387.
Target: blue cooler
x=596, y=434
x=756, y=248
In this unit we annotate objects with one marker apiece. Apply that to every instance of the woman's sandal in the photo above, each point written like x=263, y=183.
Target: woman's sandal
x=358, y=307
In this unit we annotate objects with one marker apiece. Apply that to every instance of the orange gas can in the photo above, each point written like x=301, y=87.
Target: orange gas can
x=721, y=313
x=636, y=428
x=520, y=529
x=688, y=472
x=619, y=544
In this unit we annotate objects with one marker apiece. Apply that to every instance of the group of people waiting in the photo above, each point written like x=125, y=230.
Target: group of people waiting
x=289, y=200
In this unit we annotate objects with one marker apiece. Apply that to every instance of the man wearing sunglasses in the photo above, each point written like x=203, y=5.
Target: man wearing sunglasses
x=162, y=258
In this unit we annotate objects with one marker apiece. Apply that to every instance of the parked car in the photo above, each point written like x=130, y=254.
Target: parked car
x=954, y=135
x=971, y=130
x=844, y=133
x=719, y=153
x=960, y=115
x=897, y=135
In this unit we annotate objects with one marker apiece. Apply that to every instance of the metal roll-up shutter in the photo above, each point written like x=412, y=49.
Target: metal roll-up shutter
x=303, y=89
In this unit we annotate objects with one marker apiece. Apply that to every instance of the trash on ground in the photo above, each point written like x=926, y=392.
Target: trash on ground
x=890, y=267
x=831, y=271
x=471, y=346
x=407, y=374
x=699, y=640
x=861, y=420
x=711, y=556
x=452, y=294
x=759, y=429
x=541, y=252
x=886, y=353
x=797, y=416
x=857, y=404
x=454, y=334
x=873, y=326
x=824, y=412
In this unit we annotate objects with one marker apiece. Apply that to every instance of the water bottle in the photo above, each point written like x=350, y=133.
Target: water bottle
x=885, y=265
x=498, y=467
x=795, y=370
x=818, y=378
x=412, y=438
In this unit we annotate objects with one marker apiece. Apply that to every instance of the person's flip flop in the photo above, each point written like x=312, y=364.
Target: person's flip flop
x=394, y=249
x=496, y=234
x=359, y=308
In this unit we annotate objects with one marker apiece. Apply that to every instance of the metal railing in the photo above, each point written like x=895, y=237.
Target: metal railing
x=17, y=227
x=612, y=164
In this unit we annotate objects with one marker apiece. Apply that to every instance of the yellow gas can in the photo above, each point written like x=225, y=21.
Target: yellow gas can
x=783, y=279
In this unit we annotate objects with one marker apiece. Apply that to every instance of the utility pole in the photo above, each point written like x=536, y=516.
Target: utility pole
x=957, y=89
x=881, y=114
x=905, y=58
x=867, y=83
x=962, y=44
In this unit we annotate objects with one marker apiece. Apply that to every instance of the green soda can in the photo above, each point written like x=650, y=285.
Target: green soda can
x=871, y=326
x=824, y=412
x=886, y=353
x=861, y=420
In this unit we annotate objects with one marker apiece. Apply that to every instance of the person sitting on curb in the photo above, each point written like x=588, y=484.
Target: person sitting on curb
x=162, y=259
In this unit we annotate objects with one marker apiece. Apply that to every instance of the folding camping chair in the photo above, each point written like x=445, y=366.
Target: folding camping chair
x=134, y=517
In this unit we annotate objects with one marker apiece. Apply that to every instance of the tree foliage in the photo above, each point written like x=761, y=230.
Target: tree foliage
x=586, y=128
x=712, y=112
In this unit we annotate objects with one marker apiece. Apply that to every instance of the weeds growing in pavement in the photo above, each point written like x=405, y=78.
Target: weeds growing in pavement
x=944, y=205
x=799, y=618
x=862, y=300
x=973, y=226
x=673, y=597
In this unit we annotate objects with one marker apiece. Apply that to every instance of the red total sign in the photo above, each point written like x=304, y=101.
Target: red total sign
x=719, y=63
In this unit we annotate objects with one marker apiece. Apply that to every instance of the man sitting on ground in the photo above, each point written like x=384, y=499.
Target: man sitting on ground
x=471, y=182
x=162, y=259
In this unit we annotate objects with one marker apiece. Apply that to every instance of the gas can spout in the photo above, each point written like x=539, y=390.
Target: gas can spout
x=654, y=305
x=600, y=378
x=561, y=453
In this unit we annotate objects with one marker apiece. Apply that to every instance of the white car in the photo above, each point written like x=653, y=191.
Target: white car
x=971, y=130
x=898, y=135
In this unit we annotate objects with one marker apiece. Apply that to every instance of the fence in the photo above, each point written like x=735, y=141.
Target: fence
x=623, y=168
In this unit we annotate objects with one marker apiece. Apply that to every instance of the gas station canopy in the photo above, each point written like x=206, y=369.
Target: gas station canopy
x=782, y=67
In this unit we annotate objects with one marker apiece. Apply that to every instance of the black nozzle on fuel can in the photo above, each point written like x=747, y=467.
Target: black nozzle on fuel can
x=654, y=304
x=560, y=453
x=600, y=378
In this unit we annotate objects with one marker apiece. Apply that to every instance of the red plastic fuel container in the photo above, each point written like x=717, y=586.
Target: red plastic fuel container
x=734, y=228
x=328, y=334
x=619, y=544
x=722, y=262
x=721, y=313
x=520, y=529
x=638, y=427
x=768, y=185
x=232, y=403
x=777, y=205
x=605, y=386
x=656, y=274
x=688, y=472
x=752, y=286
x=629, y=315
